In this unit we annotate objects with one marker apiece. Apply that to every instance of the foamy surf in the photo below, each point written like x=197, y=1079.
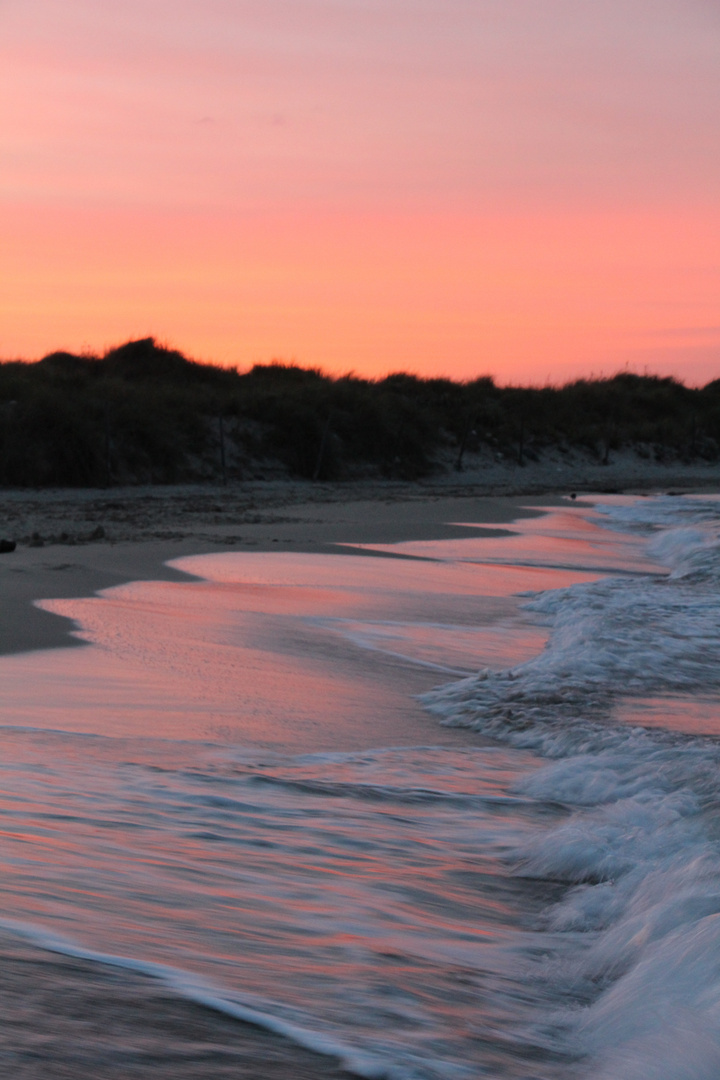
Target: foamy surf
x=639, y=848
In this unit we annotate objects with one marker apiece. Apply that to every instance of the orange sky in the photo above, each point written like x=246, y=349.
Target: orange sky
x=527, y=188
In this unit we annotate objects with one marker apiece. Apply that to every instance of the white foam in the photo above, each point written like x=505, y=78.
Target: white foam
x=669, y=998
x=641, y=926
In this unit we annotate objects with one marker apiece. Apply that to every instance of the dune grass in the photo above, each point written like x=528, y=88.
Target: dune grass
x=143, y=413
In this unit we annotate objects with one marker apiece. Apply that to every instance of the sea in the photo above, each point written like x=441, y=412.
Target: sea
x=441, y=810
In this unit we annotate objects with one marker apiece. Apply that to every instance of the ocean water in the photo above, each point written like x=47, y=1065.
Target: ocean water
x=447, y=810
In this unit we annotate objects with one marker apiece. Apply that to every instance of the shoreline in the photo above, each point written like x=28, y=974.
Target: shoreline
x=116, y=1023
x=178, y=524
x=141, y=528
x=94, y=1007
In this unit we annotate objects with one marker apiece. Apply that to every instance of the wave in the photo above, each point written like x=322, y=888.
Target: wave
x=640, y=922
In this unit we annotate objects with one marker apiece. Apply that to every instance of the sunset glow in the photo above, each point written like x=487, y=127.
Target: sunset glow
x=517, y=188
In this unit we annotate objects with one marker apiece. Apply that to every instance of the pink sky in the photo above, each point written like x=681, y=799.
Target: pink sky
x=527, y=188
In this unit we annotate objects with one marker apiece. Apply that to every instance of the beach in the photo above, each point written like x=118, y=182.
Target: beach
x=143, y=527
x=373, y=598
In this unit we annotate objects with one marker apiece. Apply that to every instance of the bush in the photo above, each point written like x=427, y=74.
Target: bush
x=143, y=412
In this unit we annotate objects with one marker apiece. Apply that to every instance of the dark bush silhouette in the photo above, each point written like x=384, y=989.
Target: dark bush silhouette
x=144, y=413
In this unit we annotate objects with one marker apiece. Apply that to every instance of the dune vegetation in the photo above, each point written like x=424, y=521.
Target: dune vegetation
x=143, y=413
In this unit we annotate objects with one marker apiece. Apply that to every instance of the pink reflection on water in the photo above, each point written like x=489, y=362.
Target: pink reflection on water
x=295, y=652
x=344, y=886
x=690, y=715
x=368, y=889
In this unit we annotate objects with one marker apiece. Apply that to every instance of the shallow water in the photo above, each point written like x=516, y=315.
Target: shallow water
x=234, y=789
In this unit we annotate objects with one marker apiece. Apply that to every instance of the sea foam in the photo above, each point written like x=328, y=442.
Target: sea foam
x=638, y=931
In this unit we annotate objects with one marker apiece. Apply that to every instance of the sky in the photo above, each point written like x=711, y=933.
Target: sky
x=523, y=188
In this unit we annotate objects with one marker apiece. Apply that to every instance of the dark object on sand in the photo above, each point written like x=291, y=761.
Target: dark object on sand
x=573, y=495
x=7, y=546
